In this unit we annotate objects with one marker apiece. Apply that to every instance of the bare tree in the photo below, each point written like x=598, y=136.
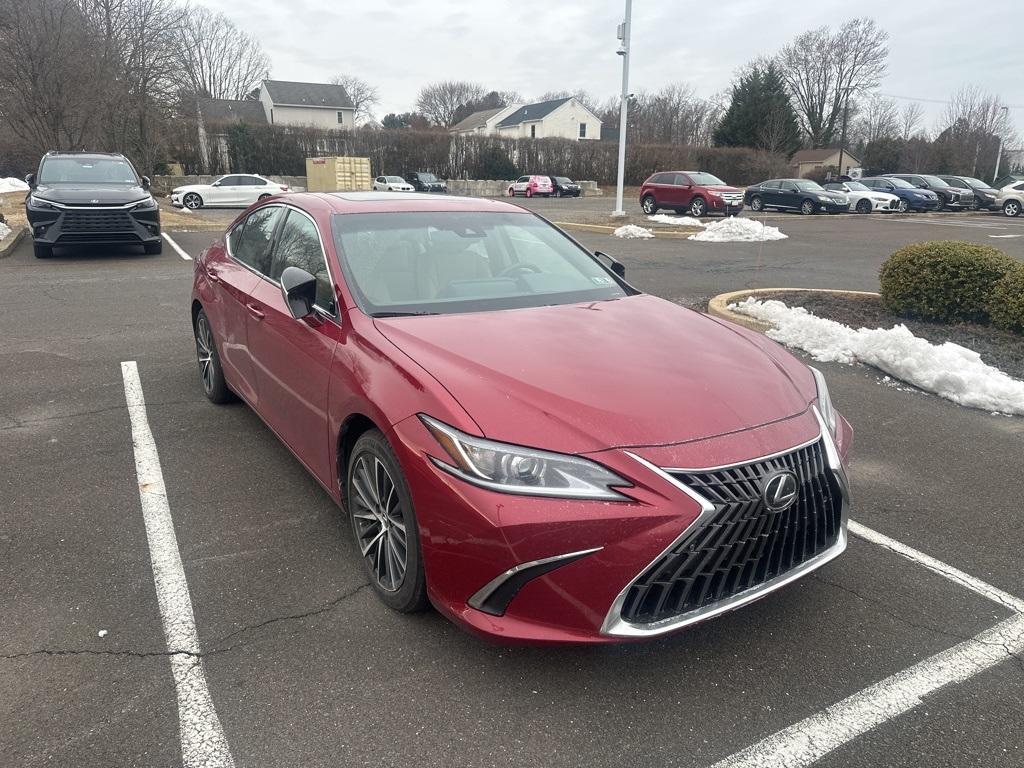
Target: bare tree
x=441, y=101
x=671, y=115
x=364, y=96
x=823, y=69
x=878, y=118
x=970, y=129
x=584, y=97
x=215, y=58
x=911, y=117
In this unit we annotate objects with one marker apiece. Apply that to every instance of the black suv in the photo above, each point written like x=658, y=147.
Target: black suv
x=950, y=197
x=90, y=198
x=425, y=182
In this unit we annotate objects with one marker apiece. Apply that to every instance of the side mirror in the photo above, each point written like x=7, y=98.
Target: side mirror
x=31, y=181
x=299, y=289
x=613, y=264
x=146, y=182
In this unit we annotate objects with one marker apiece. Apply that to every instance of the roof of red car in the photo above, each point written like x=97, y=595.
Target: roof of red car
x=394, y=202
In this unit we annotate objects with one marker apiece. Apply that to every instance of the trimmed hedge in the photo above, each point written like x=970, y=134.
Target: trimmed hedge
x=946, y=281
x=1006, y=307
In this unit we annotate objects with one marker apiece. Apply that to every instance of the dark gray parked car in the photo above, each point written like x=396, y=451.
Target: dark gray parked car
x=984, y=194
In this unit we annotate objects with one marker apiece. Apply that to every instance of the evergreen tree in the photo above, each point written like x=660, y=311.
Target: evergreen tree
x=760, y=114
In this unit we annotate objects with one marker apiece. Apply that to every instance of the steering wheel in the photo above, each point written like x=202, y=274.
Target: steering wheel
x=517, y=268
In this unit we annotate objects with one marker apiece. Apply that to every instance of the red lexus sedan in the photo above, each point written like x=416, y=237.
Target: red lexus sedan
x=516, y=434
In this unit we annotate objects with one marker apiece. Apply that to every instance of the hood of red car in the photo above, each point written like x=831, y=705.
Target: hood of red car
x=724, y=188
x=576, y=378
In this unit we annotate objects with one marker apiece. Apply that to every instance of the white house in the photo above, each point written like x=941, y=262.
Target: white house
x=483, y=122
x=562, y=118
x=307, y=104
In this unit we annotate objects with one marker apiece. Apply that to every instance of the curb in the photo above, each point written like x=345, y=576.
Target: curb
x=719, y=305
x=6, y=249
x=606, y=230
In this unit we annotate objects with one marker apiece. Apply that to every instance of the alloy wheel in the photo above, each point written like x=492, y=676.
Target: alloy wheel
x=698, y=208
x=648, y=205
x=903, y=206
x=192, y=201
x=756, y=204
x=380, y=522
x=807, y=208
x=204, y=353
x=1012, y=208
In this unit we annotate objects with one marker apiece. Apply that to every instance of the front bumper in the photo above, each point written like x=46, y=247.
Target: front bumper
x=925, y=205
x=730, y=206
x=93, y=225
x=833, y=207
x=472, y=538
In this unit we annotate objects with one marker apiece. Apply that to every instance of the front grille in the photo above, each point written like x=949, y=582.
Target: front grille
x=83, y=221
x=743, y=544
x=733, y=199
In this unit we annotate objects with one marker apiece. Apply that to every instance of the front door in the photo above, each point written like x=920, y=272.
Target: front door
x=292, y=358
x=789, y=195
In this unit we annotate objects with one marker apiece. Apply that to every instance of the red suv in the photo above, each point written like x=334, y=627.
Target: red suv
x=694, y=192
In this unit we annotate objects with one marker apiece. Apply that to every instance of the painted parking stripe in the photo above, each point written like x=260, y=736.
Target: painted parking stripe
x=176, y=247
x=807, y=741
x=934, y=222
x=203, y=744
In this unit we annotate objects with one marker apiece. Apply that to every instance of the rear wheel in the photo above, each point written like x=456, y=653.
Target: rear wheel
x=210, y=372
x=1010, y=208
x=42, y=250
x=192, y=201
x=698, y=207
x=756, y=203
x=807, y=207
x=649, y=205
x=264, y=197
x=384, y=524
x=863, y=205
x=154, y=249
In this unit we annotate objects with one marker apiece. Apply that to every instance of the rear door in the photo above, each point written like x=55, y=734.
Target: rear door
x=292, y=358
x=254, y=187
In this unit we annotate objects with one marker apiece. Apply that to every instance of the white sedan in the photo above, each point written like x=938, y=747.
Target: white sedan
x=863, y=199
x=391, y=184
x=236, y=190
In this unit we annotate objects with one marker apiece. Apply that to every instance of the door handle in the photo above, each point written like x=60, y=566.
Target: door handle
x=255, y=311
x=213, y=275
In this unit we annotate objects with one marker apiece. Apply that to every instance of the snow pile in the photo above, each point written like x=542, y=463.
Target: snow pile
x=734, y=229
x=947, y=370
x=679, y=221
x=4, y=230
x=632, y=231
x=11, y=184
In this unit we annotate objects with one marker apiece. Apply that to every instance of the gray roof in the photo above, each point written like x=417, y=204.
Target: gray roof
x=818, y=155
x=533, y=112
x=308, y=94
x=475, y=120
x=223, y=110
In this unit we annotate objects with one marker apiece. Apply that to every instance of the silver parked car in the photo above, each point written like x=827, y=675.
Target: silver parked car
x=391, y=184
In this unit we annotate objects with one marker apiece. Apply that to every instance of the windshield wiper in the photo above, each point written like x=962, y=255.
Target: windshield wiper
x=399, y=314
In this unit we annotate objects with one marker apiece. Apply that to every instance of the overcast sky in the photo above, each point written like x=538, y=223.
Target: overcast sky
x=534, y=46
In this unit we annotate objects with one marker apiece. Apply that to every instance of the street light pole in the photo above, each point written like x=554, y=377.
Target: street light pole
x=842, y=132
x=999, y=152
x=623, y=107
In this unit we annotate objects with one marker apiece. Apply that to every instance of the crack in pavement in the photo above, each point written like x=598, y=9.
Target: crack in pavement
x=214, y=651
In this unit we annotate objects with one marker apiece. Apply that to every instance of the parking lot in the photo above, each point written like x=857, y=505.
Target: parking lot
x=915, y=633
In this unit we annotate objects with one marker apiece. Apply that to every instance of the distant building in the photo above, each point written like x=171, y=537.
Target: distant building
x=806, y=161
x=483, y=122
x=562, y=118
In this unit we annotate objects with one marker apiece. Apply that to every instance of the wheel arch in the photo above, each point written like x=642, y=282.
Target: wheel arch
x=352, y=428
x=196, y=309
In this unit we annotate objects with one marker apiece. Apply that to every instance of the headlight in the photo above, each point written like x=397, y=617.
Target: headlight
x=823, y=199
x=148, y=203
x=828, y=413
x=515, y=469
x=38, y=202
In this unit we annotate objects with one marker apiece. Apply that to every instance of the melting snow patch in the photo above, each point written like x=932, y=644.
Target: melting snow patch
x=947, y=370
x=632, y=231
x=11, y=184
x=679, y=221
x=734, y=229
x=102, y=633
x=4, y=230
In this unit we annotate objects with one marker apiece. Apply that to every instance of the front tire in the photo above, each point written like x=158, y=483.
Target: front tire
x=863, y=205
x=192, y=201
x=807, y=207
x=211, y=374
x=698, y=207
x=903, y=206
x=384, y=524
x=1011, y=208
x=511, y=192
x=756, y=204
x=42, y=250
x=649, y=205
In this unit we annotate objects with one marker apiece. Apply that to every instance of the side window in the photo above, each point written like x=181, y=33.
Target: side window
x=379, y=179
x=683, y=180
x=788, y=186
x=770, y=185
x=256, y=181
x=583, y=130
x=298, y=245
x=524, y=179
x=253, y=246
x=231, y=181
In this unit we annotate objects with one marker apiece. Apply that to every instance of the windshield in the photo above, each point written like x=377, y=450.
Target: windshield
x=899, y=183
x=973, y=183
x=448, y=262
x=934, y=181
x=394, y=179
x=706, y=180
x=428, y=177
x=856, y=186
x=810, y=186
x=87, y=170
x=563, y=180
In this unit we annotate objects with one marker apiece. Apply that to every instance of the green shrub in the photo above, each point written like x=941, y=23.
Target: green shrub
x=1006, y=307
x=947, y=281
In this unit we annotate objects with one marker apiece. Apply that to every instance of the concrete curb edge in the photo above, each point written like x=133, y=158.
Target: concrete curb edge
x=719, y=305
x=7, y=248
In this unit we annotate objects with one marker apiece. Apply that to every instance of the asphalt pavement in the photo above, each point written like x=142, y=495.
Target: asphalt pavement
x=306, y=668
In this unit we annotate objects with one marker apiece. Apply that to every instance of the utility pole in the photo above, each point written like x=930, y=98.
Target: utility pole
x=999, y=152
x=842, y=131
x=623, y=106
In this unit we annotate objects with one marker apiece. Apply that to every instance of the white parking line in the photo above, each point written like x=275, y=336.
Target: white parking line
x=807, y=741
x=203, y=744
x=175, y=246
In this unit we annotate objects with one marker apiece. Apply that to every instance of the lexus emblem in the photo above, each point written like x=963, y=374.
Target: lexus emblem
x=780, y=491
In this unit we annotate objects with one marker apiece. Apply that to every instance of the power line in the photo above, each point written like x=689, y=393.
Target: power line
x=938, y=101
